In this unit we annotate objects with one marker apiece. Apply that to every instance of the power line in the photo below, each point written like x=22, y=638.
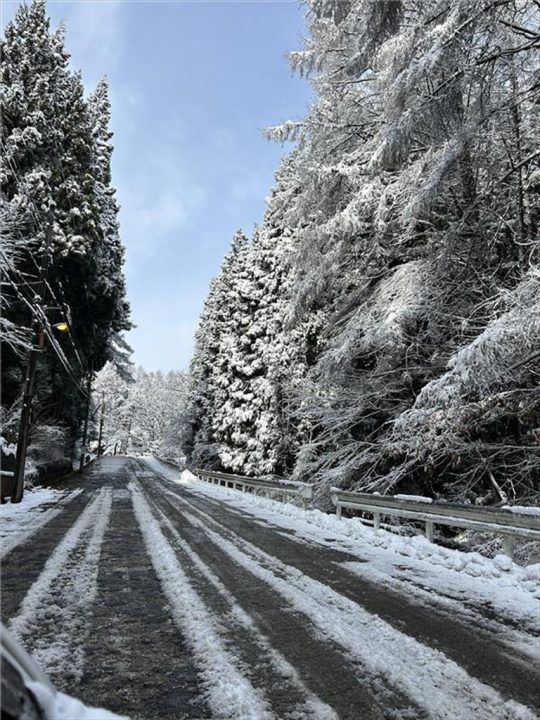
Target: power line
x=39, y=315
x=37, y=219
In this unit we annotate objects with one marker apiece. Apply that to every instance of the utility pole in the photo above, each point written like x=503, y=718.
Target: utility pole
x=99, y=448
x=26, y=414
x=29, y=383
x=125, y=450
x=86, y=420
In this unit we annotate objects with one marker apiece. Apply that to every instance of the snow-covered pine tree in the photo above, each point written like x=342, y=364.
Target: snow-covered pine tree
x=50, y=148
x=291, y=340
x=418, y=201
x=108, y=289
x=249, y=358
x=206, y=371
x=239, y=370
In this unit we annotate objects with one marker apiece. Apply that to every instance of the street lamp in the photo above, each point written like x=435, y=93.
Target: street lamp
x=61, y=326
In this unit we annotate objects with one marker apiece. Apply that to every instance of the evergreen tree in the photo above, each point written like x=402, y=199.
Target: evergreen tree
x=405, y=218
x=56, y=174
x=143, y=414
x=207, y=364
x=407, y=156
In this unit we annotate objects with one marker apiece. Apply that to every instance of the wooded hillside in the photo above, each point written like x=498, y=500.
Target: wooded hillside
x=381, y=329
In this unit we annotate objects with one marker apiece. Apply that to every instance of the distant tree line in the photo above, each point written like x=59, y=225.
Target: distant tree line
x=381, y=329
x=144, y=413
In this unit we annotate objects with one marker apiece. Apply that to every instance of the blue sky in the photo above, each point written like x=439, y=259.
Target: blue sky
x=192, y=86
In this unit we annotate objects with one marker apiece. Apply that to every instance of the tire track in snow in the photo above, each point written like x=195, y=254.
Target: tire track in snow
x=137, y=662
x=323, y=666
x=236, y=624
x=37, y=521
x=51, y=622
x=426, y=676
x=486, y=654
x=230, y=694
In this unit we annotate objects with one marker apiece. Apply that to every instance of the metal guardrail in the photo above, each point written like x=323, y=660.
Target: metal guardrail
x=302, y=490
x=498, y=521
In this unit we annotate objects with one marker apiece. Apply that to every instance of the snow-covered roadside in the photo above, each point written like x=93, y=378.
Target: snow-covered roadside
x=38, y=507
x=412, y=565
x=426, y=676
x=166, y=471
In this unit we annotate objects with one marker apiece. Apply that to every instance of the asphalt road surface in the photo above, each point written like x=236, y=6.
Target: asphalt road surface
x=159, y=603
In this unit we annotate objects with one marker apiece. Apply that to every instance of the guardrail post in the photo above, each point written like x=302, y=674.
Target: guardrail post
x=376, y=520
x=338, y=511
x=508, y=546
x=429, y=530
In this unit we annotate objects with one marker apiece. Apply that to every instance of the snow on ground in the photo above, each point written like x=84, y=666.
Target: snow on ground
x=413, y=498
x=425, y=675
x=166, y=471
x=521, y=510
x=59, y=600
x=58, y=706
x=38, y=507
x=410, y=564
x=312, y=707
x=230, y=693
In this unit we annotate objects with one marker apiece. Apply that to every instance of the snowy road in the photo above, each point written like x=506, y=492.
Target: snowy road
x=163, y=600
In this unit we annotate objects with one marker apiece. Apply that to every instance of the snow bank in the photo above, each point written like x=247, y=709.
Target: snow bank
x=166, y=471
x=31, y=500
x=38, y=507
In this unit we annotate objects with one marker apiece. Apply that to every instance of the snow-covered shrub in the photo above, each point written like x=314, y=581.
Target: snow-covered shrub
x=48, y=453
x=478, y=425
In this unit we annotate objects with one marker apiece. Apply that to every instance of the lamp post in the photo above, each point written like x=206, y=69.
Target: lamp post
x=101, y=419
